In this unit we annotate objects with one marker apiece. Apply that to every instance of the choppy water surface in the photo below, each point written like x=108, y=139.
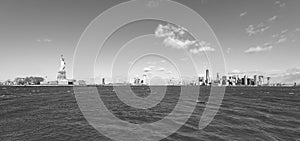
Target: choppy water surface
x=246, y=113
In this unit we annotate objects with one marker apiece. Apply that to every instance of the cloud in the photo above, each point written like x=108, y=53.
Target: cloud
x=264, y=29
x=178, y=44
x=272, y=18
x=279, y=3
x=148, y=69
x=261, y=27
x=160, y=69
x=288, y=76
x=284, y=31
x=283, y=36
x=171, y=35
x=170, y=32
x=164, y=31
x=45, y=40
x=252, y=30
x=282, y=5
x=258, y=49
x=281, y=40
x=201, y=49
x=297, y=30
x=243, y=14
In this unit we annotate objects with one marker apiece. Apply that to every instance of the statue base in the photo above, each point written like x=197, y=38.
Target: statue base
x=63, y=82
x=62, y=78
x=61, y=75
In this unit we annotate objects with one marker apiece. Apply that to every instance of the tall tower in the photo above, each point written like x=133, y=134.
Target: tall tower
x=103, y=81
x=245, y=80
x=255, y=80
x=207, y=76
x=268, y=80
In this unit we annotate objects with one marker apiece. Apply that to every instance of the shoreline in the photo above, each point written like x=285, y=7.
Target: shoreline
x=238, y=86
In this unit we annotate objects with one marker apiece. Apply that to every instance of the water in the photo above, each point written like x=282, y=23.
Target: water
x=246, y=113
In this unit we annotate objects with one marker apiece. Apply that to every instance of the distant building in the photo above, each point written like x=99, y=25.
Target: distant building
x=144, y=79
x=260, y=80
x=268, y=80
x=80, y=83
x=200, y=80
x=207, y=81
x=255, y=80
x=103, y=81
x=224, y=80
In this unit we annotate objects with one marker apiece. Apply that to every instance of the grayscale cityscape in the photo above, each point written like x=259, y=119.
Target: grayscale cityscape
x=150, y=70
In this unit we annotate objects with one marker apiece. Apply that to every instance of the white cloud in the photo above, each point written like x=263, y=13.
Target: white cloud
x=164, y=31
x=281, y=40
x=175, y=43
x=201, y=49
x=243, y=14
x=258, y=49
x=148, y=69
x=272, y=18
x=284, y=31
x=251, y=30
x=45, y=40
x=282, y=5
x=171, y=35
x=279, y=3
x=160, y=69
x=297, y=30
x=264, y=29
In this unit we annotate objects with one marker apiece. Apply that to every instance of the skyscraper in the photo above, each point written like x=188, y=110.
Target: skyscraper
x=268, y=80
x=260, y=80
x=103, y=81
x=245, y=80
x=255, y=80
x=207, y=76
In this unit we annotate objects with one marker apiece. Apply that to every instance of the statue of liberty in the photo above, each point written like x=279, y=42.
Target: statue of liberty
x=62, y=70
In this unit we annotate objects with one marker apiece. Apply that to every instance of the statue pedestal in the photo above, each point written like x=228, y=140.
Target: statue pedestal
x=63, y=82
x=61, y=75
x=62, y=78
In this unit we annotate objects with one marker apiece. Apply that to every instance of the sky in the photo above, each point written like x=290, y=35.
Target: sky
x=257, y=36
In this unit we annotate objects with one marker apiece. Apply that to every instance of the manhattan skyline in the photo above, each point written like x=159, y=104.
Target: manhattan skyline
x=255, y=36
